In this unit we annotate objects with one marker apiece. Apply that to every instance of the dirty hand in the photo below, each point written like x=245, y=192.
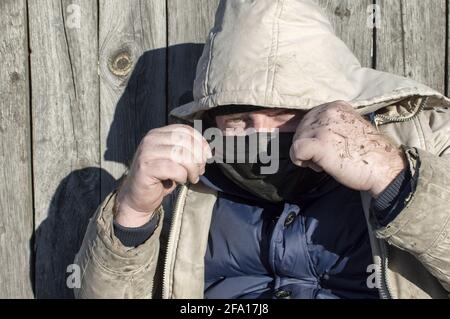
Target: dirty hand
x=336, y=139
x=166, y=156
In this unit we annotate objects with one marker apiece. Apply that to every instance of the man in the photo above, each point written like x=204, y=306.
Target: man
x=359, y=207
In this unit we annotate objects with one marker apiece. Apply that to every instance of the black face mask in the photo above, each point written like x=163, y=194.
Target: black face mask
x=287, y=183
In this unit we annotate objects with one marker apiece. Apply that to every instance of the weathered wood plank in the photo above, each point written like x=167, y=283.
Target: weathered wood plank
x=16, y=211
x=65, y=115
x=411, y=40
x=447, y=84
x=132, y=61
x=349, y=19
x=188, y=26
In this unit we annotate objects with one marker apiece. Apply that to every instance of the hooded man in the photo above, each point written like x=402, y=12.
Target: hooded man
x=358, y=206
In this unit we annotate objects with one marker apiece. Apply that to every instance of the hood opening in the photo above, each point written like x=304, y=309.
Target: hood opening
x=285, y=54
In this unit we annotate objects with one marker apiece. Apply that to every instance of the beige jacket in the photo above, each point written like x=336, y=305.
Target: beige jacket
x=283, y=53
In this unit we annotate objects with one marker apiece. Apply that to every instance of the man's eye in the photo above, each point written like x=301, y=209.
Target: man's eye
x=235, y=121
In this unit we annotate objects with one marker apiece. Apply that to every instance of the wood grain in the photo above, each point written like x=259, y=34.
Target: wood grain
x=65, y=115
x=447, y=52
x=132, y=66
x=16, y=213
x=349, y=19
x=411, y=40
x=188, y=25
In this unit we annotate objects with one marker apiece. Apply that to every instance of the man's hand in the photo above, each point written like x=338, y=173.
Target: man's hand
x=166, y=157
x=335, y=138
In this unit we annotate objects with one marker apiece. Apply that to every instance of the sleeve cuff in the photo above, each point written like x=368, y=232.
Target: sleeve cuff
x=390, y=202
x=388, y=196
x=133, y=237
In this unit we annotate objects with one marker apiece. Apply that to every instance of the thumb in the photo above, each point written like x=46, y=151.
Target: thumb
x=305, y=152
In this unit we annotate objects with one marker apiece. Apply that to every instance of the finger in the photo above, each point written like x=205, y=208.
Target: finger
x=207, y=149
x=185, y=129
x=316, y=168
x=180, y=138
x=305, y=149
x=180, y=155
x=180, y=134
x=200, y=147
x=169, y=170
x=305, y=130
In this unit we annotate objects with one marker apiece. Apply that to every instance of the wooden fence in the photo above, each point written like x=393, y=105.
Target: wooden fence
x=81, y=81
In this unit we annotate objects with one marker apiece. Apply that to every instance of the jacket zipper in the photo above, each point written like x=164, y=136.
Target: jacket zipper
x=171, y=240
x=383, y=119
x=382, y=278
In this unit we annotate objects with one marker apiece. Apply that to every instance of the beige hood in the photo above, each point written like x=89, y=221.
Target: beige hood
x=284, y=53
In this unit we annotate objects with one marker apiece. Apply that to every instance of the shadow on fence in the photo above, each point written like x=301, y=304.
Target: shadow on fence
x=60, y=235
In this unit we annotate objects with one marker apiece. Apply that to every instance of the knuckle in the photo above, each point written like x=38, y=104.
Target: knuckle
x=178, y=137
x=339, y=106
x=331, y=110
x=182, y=129
x=151, y=132
x=176, y=152
x=148, y=138
x=343, y=104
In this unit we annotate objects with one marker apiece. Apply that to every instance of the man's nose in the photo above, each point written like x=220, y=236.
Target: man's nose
x=261, y=122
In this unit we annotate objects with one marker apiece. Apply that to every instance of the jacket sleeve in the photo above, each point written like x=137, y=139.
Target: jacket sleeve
x=423, y=226
x=108, y=268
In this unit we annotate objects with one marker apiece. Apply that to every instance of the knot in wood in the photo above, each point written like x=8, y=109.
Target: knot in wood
x=342, y=12
x=121, y=63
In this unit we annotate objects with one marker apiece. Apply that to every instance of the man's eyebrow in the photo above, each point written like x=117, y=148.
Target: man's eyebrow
x=236, y=116
x=284, y=111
